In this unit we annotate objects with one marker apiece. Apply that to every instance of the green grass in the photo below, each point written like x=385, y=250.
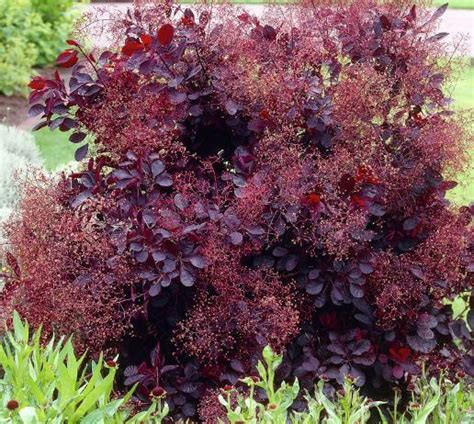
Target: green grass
x=456, y=4
x=463, y=95
x=55, y=147
x=463, y=92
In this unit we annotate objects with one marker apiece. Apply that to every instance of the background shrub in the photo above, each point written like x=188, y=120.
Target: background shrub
x=31, y=34
x=18, y=53
x=256, y=182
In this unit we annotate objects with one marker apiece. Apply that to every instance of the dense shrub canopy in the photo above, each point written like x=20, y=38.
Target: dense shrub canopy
x=263, y=181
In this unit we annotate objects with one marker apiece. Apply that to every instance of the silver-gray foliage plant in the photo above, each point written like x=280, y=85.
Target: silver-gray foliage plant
x=18, y=154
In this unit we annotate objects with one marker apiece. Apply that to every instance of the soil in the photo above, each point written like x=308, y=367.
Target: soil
x=13, y=110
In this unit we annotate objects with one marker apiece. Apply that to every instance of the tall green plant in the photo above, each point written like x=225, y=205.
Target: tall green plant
x=49, y=384
x=433, y=402
x=349, y=407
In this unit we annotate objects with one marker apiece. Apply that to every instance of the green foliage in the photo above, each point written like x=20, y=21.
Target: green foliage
x=349, y=407
x=57, y=17
x=49, y=384
x=55, y=148
x=248, y=410
x=433, y=402
x=18, y=52
x=455, y=4
x=32, y=32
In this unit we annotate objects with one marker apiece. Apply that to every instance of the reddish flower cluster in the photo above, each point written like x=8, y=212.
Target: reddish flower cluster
x=68, y=277
x=277, y=180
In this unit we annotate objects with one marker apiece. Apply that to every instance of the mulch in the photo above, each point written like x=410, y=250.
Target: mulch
x=14, y=109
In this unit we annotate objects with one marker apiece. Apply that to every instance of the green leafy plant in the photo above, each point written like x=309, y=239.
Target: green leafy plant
x=433, y=401
x=57, y=17
x=49, y=384
x=18, y=53
x=32, y=33
x=247, y=409
x=347, y=407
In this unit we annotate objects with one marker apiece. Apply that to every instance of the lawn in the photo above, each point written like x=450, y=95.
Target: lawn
x=456, y=4
x=55, y=147
x=463, y=95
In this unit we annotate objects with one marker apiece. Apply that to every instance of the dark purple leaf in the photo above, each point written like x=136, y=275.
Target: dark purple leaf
x=256, y=231
x=438, y=36
x=269, y=32
x=133, y=379
x=186, y=277
x=236, y=238
x=195, y=110
x=77, y=137
x=314, y=288
x=335, y=348
x=425, y=333
x=279, y=252
x=180, y=201
x=80, y=199
x=147, y=66
x=231, y=107
x=35, y=110
x=356, y=291
x=366, y=267
x=291, y=262
x=361, y=347
x=427, y=320
x=40, y=125
x=169, y=265
x=397, y=372
x=164, y=180
x=410, y=224
x=336, y=360
x=366, y=360
x=237, y=365
x=149, y=218
x=417, y=272
x=198, y=261
x=158, y=256
x=438, y=13
x=154, y=290
x=470, y=319
x=188, y=409
x=81, y=153
x=157, y=167
x=421, y=345
x=177, y=97
x=142, y=256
